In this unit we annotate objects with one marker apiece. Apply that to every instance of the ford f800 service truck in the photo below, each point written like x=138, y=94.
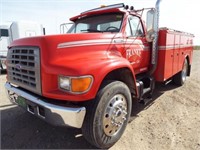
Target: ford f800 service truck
x=89, y=77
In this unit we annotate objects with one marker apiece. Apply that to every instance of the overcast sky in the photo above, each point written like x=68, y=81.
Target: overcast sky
x=176, y=14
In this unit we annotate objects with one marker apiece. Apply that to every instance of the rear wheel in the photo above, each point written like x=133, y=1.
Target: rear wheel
x=180, y=78
x=107, y=115
x=1, y=67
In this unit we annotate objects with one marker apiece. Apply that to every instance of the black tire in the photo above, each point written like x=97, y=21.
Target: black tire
x=103, y=126
x=180, y=78
x=1, y=67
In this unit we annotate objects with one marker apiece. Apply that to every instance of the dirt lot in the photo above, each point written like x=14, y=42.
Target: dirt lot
x=170, y=122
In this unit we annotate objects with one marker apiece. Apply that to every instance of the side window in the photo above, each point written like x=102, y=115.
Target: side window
x=128, y=29
x=136, y=26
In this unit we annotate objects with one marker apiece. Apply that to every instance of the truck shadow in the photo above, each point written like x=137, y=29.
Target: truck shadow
x=21, y=130
x=160, y=89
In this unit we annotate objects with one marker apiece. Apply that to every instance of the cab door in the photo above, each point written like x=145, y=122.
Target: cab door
x=136, y=46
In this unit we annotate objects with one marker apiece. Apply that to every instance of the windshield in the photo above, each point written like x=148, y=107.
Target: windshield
x=98, y=23
x=4, y=32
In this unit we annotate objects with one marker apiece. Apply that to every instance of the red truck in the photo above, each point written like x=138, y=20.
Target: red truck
x=89, y=77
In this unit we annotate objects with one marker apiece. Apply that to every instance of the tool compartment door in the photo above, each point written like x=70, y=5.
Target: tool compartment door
x=173, y=48
x=176, y=53
x=165, y=56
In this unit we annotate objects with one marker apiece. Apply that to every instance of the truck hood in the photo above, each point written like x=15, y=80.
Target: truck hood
x=66, y=40
x=70, y=51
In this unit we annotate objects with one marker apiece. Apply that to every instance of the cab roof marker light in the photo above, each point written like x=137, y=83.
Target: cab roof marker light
x=120, y=5
x=126, y=7
x=131, y=8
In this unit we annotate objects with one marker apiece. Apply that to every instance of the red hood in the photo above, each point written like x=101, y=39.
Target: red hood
x=55, y=40
x=55, y=49
x=69, y=50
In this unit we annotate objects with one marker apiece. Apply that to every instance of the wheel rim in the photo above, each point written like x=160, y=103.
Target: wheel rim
x=115, y=115
x=184, y=71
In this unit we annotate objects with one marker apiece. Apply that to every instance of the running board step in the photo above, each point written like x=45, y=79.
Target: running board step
x=146, y=90
x=145, y=101
x=145, y=87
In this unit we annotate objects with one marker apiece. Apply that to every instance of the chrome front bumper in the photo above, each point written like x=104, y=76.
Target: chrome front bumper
x=54, y=114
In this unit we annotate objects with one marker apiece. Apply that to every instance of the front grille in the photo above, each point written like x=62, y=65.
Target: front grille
x=23, y=66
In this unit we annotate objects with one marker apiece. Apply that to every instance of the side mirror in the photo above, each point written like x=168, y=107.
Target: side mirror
x=64, y=28
x=150, y=24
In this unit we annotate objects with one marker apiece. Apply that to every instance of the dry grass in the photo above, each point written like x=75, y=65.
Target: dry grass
x=196, y=47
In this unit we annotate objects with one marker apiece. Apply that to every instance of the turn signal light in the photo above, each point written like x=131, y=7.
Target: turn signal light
x=80, y=85
x=75, y=85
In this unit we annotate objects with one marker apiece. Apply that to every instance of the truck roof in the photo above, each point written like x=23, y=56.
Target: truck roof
x=116, y=8
x=175, y=31
x=5, y=26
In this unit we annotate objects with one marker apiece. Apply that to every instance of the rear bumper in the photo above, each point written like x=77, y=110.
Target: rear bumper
x=53, y=114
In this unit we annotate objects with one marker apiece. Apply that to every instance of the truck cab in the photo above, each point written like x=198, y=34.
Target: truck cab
x=4, y=42
x=128, y=30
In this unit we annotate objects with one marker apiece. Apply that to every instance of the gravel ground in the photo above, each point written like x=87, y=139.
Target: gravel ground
x=170, y=122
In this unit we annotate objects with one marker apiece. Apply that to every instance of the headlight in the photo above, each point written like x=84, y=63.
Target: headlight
x=77, y=85
x=64, y=83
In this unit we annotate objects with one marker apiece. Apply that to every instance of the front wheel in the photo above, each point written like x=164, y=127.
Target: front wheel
x=107, y=115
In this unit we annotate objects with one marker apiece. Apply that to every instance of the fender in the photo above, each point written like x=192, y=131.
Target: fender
x=108, y=67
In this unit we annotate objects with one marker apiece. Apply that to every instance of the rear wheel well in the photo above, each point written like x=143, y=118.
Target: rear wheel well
x=124, y=75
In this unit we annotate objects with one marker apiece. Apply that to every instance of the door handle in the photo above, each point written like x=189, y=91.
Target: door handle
x=118, y=41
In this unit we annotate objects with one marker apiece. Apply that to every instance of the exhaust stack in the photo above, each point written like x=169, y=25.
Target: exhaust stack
x=154, y=55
